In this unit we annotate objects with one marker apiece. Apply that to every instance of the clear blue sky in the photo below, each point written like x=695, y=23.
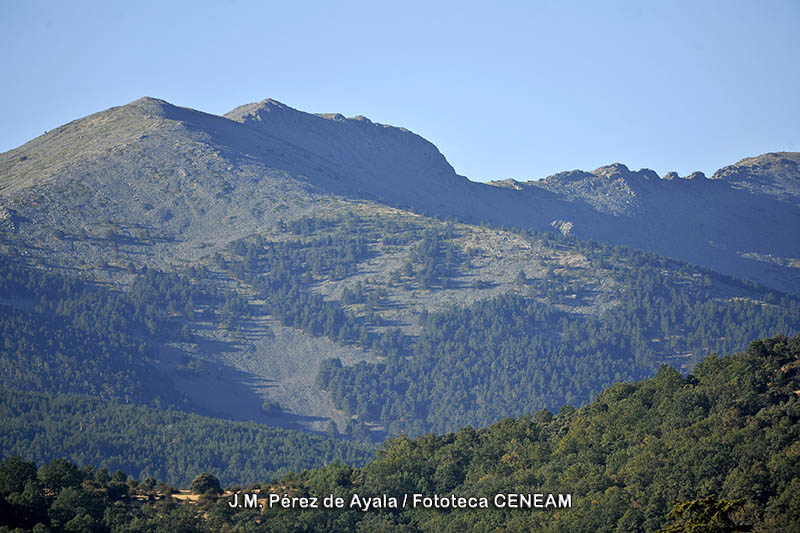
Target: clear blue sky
x=504, y=89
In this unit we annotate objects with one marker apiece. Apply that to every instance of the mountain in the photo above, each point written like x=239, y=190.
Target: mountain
x=336, y=275
x=769, y=175
x=196, y=181
x=742, y=221
x=358, y=154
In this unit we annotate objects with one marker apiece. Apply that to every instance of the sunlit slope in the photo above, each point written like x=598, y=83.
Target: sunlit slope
x=188, y=181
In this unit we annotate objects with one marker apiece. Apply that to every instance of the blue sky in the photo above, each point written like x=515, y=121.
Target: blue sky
x=504, y=89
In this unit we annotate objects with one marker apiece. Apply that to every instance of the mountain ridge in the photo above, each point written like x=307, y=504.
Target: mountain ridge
x=743, y=221
x=324, y=238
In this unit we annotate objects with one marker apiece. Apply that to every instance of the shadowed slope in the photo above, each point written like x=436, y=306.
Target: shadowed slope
x=202, y=180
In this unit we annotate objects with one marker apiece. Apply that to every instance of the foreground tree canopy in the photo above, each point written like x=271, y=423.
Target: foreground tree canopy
x=715, y=450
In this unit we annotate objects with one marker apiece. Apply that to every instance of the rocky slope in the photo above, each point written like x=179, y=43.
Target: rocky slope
x=191, y=181
x=744, y=221
x=153, y=184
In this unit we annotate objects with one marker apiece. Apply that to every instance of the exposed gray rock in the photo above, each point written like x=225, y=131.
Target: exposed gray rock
x=7, y=219
x=189, y=182
x=563, y=226
x=774, y=174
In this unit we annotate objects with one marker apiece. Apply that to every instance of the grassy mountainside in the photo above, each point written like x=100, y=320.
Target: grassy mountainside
x=716, y=450
x=461, y=336
x=335, y=275
x=394, y=320
x=172, y=182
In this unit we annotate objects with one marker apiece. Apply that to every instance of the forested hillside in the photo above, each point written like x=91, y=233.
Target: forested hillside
x=729, y=431
x=82, y=380
x=172, y=446
x=63, y=334
x=716, y=450
x=459, y=325
x=558, y=330
x=271, y=290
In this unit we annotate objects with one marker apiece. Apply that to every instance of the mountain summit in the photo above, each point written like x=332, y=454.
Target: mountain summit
x=774, y=174
x=298, y=266
x=385, y=160
x=202, y=180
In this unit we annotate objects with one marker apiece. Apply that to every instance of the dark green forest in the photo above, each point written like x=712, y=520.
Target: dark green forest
x=63, y=335
x=172, y=446
x=80, y=381
x=728, y=430
x=511, y=356
x=716, y=450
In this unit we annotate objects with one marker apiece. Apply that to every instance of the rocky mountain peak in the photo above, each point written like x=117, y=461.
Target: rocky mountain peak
x=775, y=174
x=696, y=175
x=617, y=171
x=150, y=163
x=508, y=183
x=612, y=171
x=775, y=165
x=257, y=111
x=374, y=152
x=148, y=103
